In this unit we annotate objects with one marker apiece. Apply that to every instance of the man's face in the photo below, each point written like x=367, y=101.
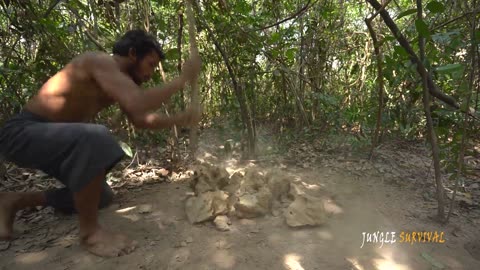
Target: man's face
x=142, y=69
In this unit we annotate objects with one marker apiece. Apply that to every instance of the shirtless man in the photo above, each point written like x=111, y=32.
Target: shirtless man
x=52, y=133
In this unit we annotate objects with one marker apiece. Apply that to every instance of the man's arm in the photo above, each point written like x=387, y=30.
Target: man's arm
x=190, y=71
x=158, y=121
x=134, y=102
x=163, y=92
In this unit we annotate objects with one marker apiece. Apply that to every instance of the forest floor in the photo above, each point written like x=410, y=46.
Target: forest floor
x=393, y=192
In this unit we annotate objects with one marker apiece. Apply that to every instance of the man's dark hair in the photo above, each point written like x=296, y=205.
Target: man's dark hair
x=139, y=40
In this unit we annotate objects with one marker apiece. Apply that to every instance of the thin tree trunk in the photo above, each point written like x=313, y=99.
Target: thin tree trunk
x=380, y=81
x=93, y=9
x=461, y=153
x=299, y=104
x=117, y=13
x=244, y=110
x=146, y=10
x=431, y=131
x=195, y=101
x=173, y=141
x=179, y=48
x=300, y=62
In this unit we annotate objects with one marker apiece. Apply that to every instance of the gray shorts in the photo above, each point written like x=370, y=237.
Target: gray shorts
x=73, y=153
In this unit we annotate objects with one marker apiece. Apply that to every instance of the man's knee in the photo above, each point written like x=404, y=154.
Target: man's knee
x=93, y=131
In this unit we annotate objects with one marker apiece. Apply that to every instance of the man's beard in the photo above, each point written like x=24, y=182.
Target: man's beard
x=131, y=71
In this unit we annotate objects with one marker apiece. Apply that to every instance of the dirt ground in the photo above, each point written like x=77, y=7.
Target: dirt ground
x=154, y=215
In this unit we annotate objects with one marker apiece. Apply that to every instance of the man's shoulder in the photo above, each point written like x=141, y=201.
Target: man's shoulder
x=93, y=56
x=94, y=61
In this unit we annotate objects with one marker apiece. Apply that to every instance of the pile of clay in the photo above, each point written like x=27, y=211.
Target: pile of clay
x=218, y=195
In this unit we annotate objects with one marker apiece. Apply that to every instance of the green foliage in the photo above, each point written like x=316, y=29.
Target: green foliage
x=316, y=69
x=422, y=28
x=407, y=13
x=435, y=7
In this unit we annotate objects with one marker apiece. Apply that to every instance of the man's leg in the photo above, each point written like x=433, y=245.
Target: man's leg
x=77, y=154
x=61, y=199
x=10, y=203
x=96, y=239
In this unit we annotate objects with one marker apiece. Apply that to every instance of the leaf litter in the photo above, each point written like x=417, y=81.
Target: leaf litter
x=404, y=164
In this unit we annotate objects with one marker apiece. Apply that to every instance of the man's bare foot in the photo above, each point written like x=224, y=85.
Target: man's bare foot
x=106, y=244
x=7, y=215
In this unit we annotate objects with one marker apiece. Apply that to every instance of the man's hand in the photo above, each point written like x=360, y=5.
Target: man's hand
x=191, y=68
x=189, y=117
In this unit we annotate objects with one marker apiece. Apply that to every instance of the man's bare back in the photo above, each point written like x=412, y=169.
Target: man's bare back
x=71, y=95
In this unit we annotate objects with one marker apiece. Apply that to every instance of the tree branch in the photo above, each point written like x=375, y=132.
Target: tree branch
x=456, y=19
x=384, y=5
x=92, y=39
x=293, y=16
x=87, y=33
x=51, y=8
x=432, y=87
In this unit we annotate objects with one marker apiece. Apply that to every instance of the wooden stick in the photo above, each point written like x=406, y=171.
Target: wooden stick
x=194, y=83
x=174, y=132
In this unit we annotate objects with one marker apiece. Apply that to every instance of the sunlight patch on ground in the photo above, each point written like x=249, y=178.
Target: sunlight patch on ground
x=223, y=259
x=311, y=187
x=325, y=235
x=31, y=258
x=292, y=262
x=355, y=263
x=125, y=210
x=132, y=217
x=126, y=213
x=387, y=262
x=232, y=168
x=181, y=176
x=205, y=156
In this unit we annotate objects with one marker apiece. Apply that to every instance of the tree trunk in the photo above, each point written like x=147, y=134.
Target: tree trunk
x=244, y=110
x=195, y=100
x=380, y=81
x=461, y=154
x=301, y=84
x=431, y=131
x=179, y=48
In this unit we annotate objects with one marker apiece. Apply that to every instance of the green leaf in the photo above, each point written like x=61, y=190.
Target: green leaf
x=274, y=37
x=401, y=51
x=126, y=149
x=435, y=7
x=290, y=54
x=172, y=53
x=476, y=37
x=242, y=7
x=389, y=38
x=450, y=68
x=463, y=106
x=422, y=28
x=406, y=13
x=275, y=53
